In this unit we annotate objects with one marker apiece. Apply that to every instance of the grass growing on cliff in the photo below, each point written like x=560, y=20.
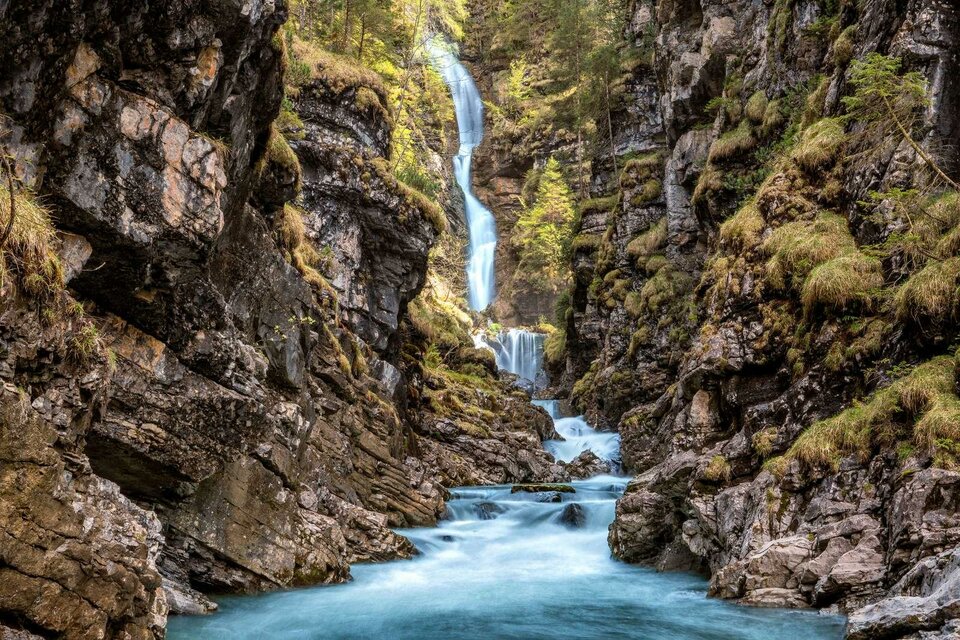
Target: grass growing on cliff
x=717, y=470
x=742, y=230
x=797, y=247
x=279, y=153
x=411, y=196
x=842, y=282
x=733, y=143
x=29, y=254
x=819, y=145
x=292, y=235
x=930, y=297
x=921, y=407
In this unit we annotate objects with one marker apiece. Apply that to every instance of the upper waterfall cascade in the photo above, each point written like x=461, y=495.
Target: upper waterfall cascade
x=481, y=226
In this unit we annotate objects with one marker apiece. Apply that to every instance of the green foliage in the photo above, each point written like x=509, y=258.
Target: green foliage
x=921, y=407
x=887, y=104
x=543, y=233
x=797, y=247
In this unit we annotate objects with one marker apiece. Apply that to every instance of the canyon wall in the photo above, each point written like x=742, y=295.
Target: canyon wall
x=210, y=383
x=746, y=311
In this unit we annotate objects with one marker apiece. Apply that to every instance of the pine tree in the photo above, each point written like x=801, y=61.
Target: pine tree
x=544, y=231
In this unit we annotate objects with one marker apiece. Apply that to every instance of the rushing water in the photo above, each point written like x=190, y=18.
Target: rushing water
x=510, y=566
x=504, y=567
x=480, y=223
x=578, y=436
x=520, y=352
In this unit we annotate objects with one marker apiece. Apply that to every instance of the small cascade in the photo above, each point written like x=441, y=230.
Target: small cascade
x=578, y=436
x=481, y=226
x=522, y=353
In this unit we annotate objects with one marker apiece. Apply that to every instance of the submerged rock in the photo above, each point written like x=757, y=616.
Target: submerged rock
x=488, y=510
x=540, y=488
x=573, y=516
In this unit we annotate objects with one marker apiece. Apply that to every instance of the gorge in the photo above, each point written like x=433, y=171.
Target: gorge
x=440, y=319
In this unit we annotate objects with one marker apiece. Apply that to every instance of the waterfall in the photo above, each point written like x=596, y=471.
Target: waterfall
x=480, y=223
x=522, y=353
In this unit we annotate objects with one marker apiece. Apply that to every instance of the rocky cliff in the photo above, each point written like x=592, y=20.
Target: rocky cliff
x=209, y=380
x=747, y=309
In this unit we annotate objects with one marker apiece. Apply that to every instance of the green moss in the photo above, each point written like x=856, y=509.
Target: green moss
x=585, y=242
x=279, y=154
x=290, y=230
x=665, y=287
x=605, y=204
x=773, y=118
x=633, y=304
x=648, y=242
x=555, y=347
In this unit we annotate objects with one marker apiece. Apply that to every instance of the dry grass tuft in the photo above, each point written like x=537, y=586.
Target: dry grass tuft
x=742, y=230
x=820, y=145
x=851, y=279
x=29, y=255
x=797, y=247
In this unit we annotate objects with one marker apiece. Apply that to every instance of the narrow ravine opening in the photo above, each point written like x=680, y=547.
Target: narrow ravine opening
x=523, y=561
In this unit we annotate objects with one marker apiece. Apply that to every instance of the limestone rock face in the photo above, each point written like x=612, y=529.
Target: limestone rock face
x=677, y=339
x=231, y=430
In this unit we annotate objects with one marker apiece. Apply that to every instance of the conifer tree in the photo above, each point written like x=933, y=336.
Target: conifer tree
x=544, y=231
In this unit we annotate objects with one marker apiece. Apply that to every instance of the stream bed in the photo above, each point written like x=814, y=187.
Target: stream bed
x=510, y=566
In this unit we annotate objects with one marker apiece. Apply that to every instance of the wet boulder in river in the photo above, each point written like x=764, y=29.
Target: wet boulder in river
x=488, y=510
x=573, y=516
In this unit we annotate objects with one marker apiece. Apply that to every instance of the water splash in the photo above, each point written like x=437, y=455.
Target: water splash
x=481, y=226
